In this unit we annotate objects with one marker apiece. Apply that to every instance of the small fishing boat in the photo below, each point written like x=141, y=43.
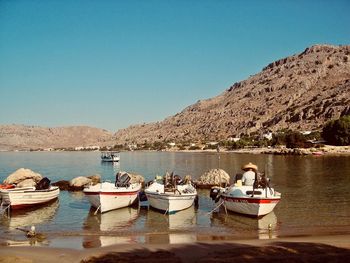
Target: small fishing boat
x=110, y=156
x=20, y=197
x=254, y=200
x=171, y=194
x=108, y=196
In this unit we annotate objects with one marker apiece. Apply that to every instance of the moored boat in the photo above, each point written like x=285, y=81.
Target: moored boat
x=108, y=196
x=110, y=156
x=22, y=197
x=255, y=200
x=171, y=195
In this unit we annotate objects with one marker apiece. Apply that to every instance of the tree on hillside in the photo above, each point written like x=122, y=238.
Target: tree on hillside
x=295, y=140
x=337, y=132
x=278, y=139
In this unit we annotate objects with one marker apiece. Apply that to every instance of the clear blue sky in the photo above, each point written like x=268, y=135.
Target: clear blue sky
x=110, y=64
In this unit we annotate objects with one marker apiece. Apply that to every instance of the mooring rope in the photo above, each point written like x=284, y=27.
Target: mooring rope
x=223, y=201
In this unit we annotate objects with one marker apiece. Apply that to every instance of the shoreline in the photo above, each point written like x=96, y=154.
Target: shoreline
x=327, y=150
x=303, y=248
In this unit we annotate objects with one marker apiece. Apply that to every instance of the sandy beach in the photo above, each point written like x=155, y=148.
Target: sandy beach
x=292, y=249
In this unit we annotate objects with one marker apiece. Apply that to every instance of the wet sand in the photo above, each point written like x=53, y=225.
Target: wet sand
x=293, y=249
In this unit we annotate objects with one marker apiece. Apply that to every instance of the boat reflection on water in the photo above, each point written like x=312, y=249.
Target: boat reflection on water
x=111, y=167
x=109, y=228
x=31, y=216
x=171, y=229
x=267, y=226
x=23, y=219
x=243, y=226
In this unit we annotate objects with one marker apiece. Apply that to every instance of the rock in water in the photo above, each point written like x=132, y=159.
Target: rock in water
x=26, y=183
x=80, y=181
x=63, y=185
x=213, y=177
x=95, y=179
x=22, y=174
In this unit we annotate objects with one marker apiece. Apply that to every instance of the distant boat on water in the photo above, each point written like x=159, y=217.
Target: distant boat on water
x=110, y=156
x=319, y=153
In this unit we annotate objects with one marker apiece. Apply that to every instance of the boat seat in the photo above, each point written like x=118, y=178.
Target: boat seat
x=255, y=192
x=238, y=183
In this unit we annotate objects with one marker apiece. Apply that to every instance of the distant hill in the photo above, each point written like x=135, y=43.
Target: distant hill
x=23, y=137
x=300, y=92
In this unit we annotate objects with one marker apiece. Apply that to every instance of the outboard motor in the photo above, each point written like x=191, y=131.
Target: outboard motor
x=43, y=184
x=142, y=196
x=177, y=179
x=123, y=180
x=214, y=192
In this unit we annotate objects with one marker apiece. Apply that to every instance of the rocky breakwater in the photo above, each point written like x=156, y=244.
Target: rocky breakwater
x=78, y=183
x=27, y=178
x=213, y=177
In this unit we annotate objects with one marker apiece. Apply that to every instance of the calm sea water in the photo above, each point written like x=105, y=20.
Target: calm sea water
x=315, y=200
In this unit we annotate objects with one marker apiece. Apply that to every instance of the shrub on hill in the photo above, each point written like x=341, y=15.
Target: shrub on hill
x=295, y=140
x=337, y=132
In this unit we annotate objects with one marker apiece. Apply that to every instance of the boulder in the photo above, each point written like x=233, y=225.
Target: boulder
x=26, y=183
x=79, y=182
x=63, y=185
x=95, y=179
x=22, y=174
x=213, y=177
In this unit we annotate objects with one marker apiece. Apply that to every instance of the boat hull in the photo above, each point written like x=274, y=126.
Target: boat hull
x=116, y=159
x=248, y=200
x=19, y=198
x=250, y=206
x=107, y=197
x=170, y=202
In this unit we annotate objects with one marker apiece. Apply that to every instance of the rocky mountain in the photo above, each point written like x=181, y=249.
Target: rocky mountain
x=23, y=137
x=300, y=92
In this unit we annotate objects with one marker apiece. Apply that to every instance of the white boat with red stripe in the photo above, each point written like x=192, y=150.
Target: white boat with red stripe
x=255, y=202
x=22, y=197
x=256, y=198
x=108, y=196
